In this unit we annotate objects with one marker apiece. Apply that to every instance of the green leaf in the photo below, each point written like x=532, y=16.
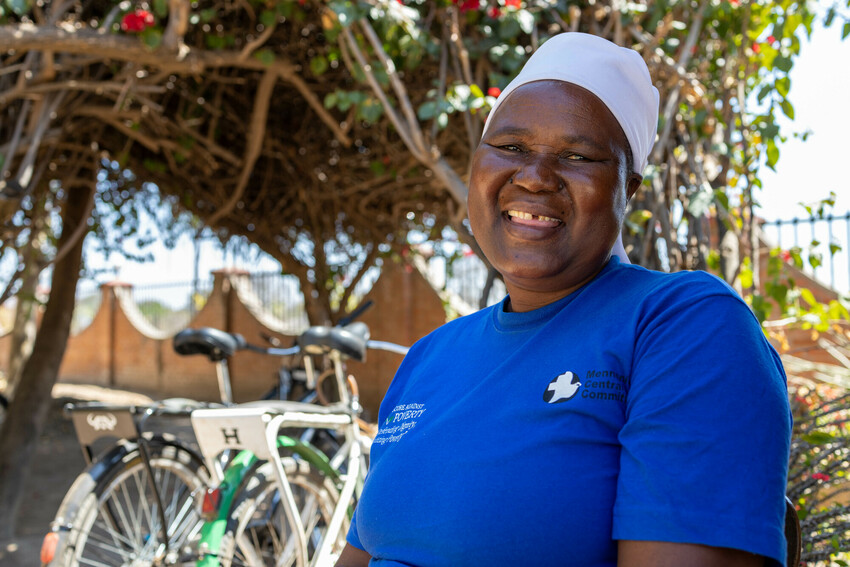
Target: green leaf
x=330, y=100
x=787, y=108
x=152, y=38
x=20, y=7
x=160, y=8
x=155, y=166
x=265, y=56
x=815, y=260
x=769, y=130
x=818, y=437
x=830, y=15
x=783, y=63
x=772, y=154
x=846, y=31
x=746, y=276
x=509, y=28
x=214, y=41
x=318, y=65
x=783, y=85
x=346, y=12
x=209, y=14
x=476, y=91
x=370, y=110
x=284, y=9
x=268, y=18
x=427, y=110
x=808, y=296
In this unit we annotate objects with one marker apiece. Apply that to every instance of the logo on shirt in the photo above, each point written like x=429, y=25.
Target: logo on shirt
x=562, y=388
x=401, y=420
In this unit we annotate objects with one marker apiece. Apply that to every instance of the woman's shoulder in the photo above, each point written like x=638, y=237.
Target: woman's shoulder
x=686, y=283
x=455, y=328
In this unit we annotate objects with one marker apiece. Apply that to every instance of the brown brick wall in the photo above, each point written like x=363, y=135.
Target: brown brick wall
x=113, y=352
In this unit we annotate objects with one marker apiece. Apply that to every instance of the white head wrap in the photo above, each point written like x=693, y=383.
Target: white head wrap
x=617, y=75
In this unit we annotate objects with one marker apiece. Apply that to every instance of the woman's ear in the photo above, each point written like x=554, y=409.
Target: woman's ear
x=632, y=184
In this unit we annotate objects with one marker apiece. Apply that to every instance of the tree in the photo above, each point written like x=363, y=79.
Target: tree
x=325, y=130
x=28, y=413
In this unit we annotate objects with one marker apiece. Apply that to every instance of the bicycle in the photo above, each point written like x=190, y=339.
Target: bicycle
x=282, y=501
x=136, y=501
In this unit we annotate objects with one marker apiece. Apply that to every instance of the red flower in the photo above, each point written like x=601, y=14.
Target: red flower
x=494, y=12
x=494, y=92
x=467, y=5
x=756, y=48
x=820, y=476
x=785, y=255
x=735, y=2
x=513, y=4
x=771, y=40
x=137, y=21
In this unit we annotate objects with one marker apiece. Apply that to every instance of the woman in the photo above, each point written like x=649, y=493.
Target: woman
x=602, y=414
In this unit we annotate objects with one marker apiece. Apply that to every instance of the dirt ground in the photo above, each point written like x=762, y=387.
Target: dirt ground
x=57, y=463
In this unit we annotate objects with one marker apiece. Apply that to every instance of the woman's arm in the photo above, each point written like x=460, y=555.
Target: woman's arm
x=666, y=554
x=353, y=557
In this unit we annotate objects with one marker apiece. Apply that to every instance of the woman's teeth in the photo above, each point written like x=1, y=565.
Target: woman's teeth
x=528, y=216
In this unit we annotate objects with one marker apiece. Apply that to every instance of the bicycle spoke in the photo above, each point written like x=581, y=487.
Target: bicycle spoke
x=124, y=527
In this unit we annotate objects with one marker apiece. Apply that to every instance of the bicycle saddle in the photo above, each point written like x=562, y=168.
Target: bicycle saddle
x=350, y=341
x=212, y=343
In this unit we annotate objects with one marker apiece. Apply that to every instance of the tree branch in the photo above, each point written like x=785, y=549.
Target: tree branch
x=254, y=143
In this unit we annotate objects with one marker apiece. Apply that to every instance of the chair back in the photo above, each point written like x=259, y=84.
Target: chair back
x=793, y=536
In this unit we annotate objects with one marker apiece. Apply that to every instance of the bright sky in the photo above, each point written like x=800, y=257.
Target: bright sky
x=808, y=171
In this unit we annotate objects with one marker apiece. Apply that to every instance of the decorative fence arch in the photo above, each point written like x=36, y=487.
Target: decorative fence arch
x=120, y=348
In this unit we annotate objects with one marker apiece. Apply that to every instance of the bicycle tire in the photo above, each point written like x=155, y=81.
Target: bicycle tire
x=258, y=533
x=110, y=516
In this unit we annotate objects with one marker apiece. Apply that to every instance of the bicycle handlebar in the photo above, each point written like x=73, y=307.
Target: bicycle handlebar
x=388, y=346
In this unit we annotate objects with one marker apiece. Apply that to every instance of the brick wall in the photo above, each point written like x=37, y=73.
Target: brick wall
x=118, y=349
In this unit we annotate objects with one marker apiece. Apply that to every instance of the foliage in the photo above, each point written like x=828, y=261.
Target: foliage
x=303, y=122
x=817, y=478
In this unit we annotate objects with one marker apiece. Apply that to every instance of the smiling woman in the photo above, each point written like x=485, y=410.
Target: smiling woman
x=602, y=414
x=547, y=202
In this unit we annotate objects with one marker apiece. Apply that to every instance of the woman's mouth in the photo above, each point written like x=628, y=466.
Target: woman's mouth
x=528, y=219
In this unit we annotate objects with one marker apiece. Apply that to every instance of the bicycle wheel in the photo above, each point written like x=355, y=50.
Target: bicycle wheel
x=258, y=532
x=110, y=516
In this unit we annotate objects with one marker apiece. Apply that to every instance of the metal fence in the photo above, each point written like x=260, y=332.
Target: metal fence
x=87, y=304
x=466, y=278
x=822, y=242
x=279, y=296
x=171, y=306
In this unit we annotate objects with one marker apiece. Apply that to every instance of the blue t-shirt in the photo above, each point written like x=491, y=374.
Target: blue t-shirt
x=643, y=406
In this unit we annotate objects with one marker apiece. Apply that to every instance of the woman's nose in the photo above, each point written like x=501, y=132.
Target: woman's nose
x=539, y=173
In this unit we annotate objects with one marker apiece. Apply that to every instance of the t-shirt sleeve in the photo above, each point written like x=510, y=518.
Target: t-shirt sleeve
x=352, y=537
x=705, y=445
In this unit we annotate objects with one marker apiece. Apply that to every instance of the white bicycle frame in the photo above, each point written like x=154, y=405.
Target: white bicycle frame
x=255, y=427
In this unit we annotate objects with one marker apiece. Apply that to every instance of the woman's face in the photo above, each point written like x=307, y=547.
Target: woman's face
x=548, y=190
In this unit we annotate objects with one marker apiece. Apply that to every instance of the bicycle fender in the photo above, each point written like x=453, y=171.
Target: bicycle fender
x=309, y=453
x=212, y=532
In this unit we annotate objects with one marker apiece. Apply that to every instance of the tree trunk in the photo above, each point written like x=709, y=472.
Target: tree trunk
x=28, y=412
x=23, y=332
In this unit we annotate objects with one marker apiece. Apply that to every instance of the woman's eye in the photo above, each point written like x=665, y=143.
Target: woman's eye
x=510, y=147
x=575, y=157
